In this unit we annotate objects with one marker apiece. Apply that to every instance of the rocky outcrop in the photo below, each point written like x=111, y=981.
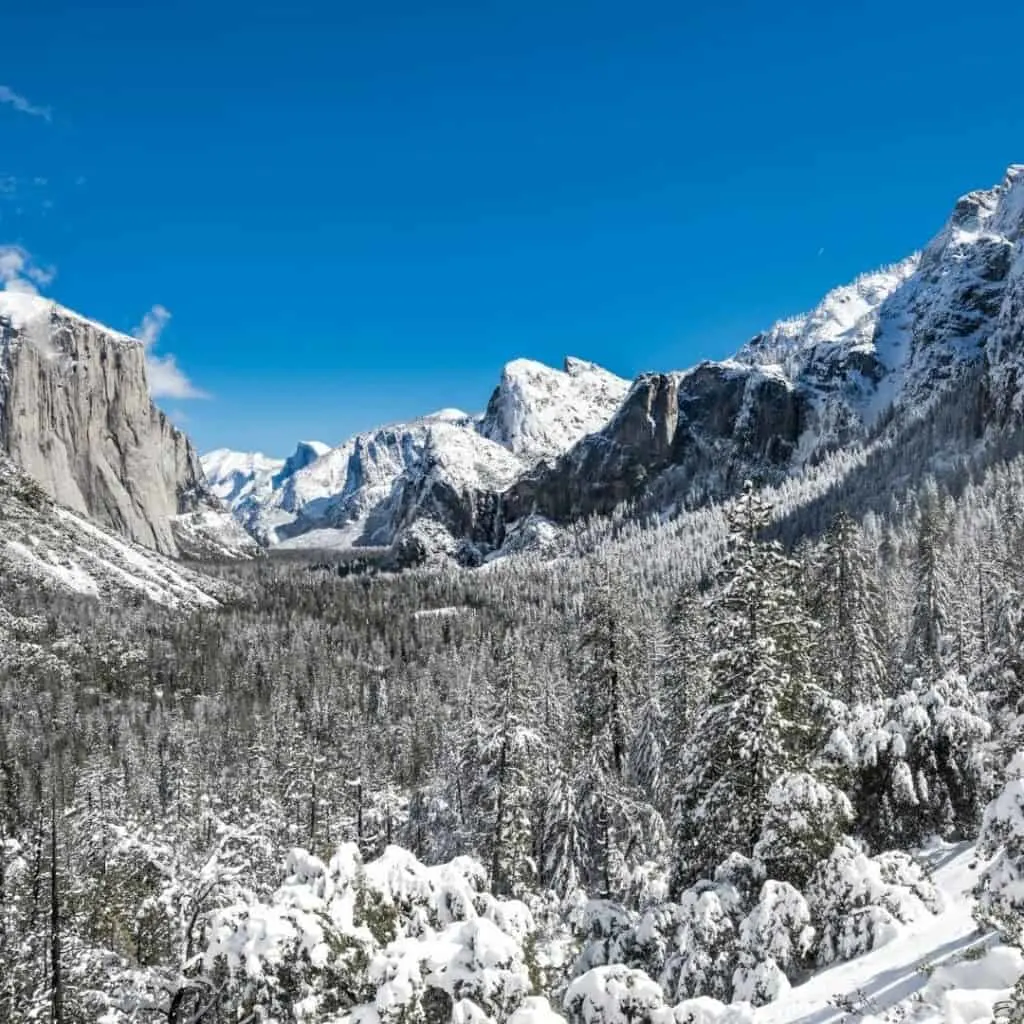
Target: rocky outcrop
x=76, y=416
x=537, y=412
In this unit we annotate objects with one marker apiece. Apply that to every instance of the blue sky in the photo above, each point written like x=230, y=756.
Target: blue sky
x=357, y=212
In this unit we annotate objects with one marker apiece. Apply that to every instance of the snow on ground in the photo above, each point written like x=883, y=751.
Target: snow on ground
x=449, y=611
x=917, y=969
x=324, y=539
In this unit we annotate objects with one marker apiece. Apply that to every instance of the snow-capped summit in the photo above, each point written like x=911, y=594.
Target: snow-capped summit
x=233, y=475
x=305, y=454
x=539, y=412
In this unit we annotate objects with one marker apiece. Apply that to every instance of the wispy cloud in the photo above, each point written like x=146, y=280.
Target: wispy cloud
x=24, y=106
x=20, y=273
x=166, y=379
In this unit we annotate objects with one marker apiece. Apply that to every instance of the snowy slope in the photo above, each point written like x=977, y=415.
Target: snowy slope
x=874, y=356
x=900, y=971
x=894, y=337
x=45, y=546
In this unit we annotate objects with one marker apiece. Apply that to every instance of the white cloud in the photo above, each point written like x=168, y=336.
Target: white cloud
x=16, y=100
x=20, y=273
x=152, y=326
x=166, y=379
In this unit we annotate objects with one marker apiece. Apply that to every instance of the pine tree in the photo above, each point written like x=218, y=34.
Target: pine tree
x=847, y=605
x=647, y=754
x=760, y=721
x=685, y=672
x=927, y=641
x=503, y=793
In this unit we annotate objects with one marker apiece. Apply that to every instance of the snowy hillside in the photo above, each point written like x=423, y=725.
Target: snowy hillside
x=897, y=336
x=48, y=547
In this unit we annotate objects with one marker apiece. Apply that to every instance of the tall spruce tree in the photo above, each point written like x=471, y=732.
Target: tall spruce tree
x=760, y=720
x=508, y=748
x=848, y=606
x=927, y=640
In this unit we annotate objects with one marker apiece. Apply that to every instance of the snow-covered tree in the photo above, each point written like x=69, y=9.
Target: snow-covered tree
x=761, y=718
x=847, y=603
x=803, y=820
x=503, y=790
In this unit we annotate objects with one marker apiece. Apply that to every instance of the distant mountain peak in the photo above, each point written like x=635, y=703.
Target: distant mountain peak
x=539, y=412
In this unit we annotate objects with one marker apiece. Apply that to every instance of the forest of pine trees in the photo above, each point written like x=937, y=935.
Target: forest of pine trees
x=683, y=763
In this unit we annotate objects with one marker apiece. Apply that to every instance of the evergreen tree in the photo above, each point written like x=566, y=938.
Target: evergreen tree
x=503, y=791
x=847, y=604
x=927, y=641
x=760, y=721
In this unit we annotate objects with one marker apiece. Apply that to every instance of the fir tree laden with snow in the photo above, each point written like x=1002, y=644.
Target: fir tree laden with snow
x=847, y=604
x=601, y=823
x=760, y=721
x=503, y=794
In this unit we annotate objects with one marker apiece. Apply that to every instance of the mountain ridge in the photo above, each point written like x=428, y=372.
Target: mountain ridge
x=556, y=445
x=373, y=486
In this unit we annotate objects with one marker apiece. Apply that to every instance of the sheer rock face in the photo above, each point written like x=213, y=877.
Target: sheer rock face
x=76, y=416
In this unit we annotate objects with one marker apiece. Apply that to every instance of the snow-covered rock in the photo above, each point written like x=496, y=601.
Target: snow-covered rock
x=539, y=412
x=235, y=476
x=76, y=416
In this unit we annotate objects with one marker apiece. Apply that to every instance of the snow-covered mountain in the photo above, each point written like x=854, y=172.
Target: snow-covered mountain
x=374, y=486
x=235, y=476
x=539, y=412
x=76, y=416
x=945, y=326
